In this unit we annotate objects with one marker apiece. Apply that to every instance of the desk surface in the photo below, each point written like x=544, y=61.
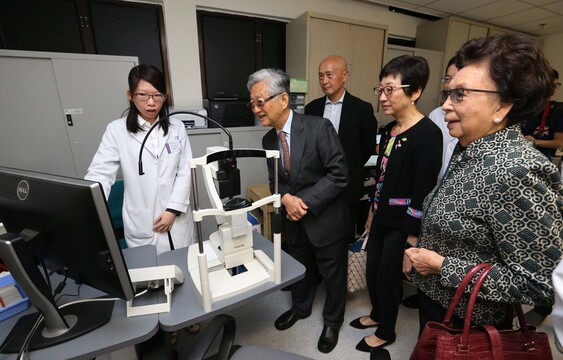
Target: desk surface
x=186, y=308
x=122, y=331
x=118, y=333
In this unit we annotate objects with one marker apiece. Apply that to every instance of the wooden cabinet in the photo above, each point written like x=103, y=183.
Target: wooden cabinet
x=449, y=34
x=311, y=37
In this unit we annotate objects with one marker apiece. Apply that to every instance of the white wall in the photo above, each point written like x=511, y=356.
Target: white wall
x=553, y=49
x=182, y=39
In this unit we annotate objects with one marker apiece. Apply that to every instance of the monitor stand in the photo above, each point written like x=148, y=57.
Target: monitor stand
x=82, y=318
x=58, y=324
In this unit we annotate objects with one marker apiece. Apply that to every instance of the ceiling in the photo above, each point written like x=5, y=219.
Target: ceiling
x=535, y=17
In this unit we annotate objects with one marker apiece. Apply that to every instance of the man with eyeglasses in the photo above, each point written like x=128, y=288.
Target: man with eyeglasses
x=355, y=123
x=546, y=128
x=314, y=211
x=437, y=116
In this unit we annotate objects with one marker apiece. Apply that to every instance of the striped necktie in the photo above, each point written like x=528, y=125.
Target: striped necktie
x=285, y=148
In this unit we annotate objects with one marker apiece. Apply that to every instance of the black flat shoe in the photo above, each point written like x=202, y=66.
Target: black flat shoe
x=328, y=339
x=379, y=353
x=287, y=320
x=358, y=325
x=363, y=345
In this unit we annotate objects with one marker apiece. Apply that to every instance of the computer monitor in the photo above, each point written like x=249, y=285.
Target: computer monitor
x=65, y=222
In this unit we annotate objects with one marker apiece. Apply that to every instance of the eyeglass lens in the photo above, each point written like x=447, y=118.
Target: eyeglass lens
x=456, y=95
x=260, y=102
x=387, y=90
x=145, y=97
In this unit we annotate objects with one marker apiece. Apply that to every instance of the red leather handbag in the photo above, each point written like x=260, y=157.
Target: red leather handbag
x=440, y=341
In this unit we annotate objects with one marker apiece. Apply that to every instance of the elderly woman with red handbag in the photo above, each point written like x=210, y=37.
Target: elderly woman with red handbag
x=500, y=201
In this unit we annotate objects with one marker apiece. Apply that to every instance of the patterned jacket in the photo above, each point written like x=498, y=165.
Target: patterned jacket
x=500, y=202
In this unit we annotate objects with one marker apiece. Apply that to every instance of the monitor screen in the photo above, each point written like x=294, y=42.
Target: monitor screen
x=64, y=222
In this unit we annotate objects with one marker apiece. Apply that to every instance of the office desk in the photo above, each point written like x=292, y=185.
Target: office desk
x=186, y=308
x=118, y=333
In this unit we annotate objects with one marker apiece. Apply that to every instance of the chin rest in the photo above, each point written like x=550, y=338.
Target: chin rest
x=227, y=350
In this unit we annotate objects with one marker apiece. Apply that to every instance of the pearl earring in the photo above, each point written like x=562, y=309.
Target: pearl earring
x=497, y=120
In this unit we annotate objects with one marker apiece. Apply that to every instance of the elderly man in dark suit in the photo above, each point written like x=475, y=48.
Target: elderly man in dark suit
x=312, y=177
x=354, y=122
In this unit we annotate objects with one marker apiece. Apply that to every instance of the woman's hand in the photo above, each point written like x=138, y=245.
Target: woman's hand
x=407, y=266
x=424, y=261
x=164, y=222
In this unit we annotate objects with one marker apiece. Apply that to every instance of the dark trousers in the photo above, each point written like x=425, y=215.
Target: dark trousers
x=353, y=208
x=384, y=275
x=331, y=262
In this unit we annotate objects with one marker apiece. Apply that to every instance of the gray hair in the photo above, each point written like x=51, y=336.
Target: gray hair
x=277, y=81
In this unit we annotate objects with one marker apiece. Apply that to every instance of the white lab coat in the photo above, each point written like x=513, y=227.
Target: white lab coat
x=166, y=183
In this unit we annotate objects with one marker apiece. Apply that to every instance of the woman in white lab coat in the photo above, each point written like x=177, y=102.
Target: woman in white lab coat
x=156, y=207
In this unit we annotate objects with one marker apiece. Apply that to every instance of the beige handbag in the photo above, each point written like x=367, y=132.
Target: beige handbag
x=357, y=264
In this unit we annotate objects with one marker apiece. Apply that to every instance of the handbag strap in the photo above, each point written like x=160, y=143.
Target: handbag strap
x=459, y=292
x=496, y=342
x=364, y=236
x=494, y=335
x=463, y=347
x=529, y=344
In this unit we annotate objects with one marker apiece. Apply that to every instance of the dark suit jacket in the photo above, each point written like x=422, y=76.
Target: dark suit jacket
x=357, y=133
x=319, y=175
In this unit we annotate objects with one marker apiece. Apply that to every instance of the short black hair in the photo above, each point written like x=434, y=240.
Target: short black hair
x=413, y=70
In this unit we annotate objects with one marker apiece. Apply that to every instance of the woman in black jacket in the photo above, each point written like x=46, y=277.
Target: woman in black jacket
x=409, y=161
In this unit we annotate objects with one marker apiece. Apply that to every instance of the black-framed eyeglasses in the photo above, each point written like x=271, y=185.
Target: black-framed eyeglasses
x=387, y=90
x=457, y=95
x=145, y=97
x=260, y=102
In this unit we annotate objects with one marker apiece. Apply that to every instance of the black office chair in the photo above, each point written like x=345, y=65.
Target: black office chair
x=197, y=349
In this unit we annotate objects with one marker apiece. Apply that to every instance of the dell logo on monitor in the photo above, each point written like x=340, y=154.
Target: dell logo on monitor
x=22, y=190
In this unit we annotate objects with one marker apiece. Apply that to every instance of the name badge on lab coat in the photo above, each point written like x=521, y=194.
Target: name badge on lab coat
x=173, y=147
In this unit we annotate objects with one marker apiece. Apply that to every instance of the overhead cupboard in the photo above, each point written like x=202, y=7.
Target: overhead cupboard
x=311, y=37
x=449, y=34
x=56, y=106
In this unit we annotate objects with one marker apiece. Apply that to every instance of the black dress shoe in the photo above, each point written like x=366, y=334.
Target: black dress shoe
x=363, y=345
x=358, y=325
x=328, y=339
x=287, y=319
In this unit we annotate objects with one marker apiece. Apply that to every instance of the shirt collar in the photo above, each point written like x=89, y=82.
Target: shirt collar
x=482, y=146
x=144, y=124
x=287, y=126
x=339, y=101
